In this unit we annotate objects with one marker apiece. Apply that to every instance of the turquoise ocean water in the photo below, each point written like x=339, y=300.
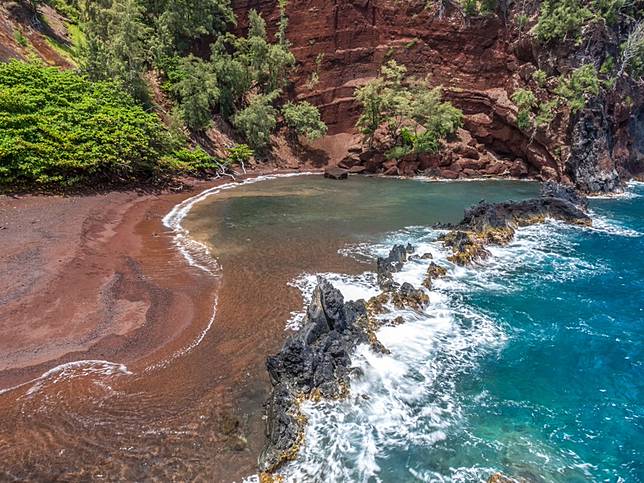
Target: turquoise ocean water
x=529, y=363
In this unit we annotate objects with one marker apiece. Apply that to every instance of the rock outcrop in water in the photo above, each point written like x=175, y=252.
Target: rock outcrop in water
x=385, y=267
x=315, y=362
x=495, y=223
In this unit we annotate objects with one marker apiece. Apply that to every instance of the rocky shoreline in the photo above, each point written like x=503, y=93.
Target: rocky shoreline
x=315, y=362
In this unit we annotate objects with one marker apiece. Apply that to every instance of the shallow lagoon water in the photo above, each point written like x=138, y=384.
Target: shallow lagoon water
x=529, y=363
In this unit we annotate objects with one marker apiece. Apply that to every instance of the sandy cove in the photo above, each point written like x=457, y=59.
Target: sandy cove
x=98, y=277
x=85, y=277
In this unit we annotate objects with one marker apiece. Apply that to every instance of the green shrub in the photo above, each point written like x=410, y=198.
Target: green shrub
x=20, y=38
x=522, y=21
x=189, y=161
x=304, y=119
x=547, y=113
x=609, y=10
x=58, y=129
x=470, y=7
x=68, y=8
x=239, y=154
x=559, y=19
x=488, y=6
x=578, y=85
x=607, y=66
x=525, y=101
x=540, y=77
x=398, y=152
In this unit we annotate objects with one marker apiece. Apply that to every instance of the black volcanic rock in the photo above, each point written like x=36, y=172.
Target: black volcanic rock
x=495, y=223
x=315, y=360
x=393, y=262
x=557, y=201
x=552, y=189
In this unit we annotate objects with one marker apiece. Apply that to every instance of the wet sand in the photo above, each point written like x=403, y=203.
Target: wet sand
x=97, y=278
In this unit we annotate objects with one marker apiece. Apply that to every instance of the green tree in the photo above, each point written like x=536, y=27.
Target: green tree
x=268, y=64
x=561, y=19
x=578, y=85
x=304, y=119
x=414, y=114
x=370, y=98
x=428, y=110
x=258, y=120
x=197, y=92
x=249, y=63
x=181, y=21
x=116, y=46
x=525, y=101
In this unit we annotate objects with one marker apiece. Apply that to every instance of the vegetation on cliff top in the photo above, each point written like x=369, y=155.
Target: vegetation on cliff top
x=565, y=19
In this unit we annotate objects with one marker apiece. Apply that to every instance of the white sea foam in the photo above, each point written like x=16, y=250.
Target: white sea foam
x=626, y=194
x=604, y=224
x=410, y=396
x=426, y=354
x=353, y=287
x=630, y=192
x=197, y=254
x=71, y=370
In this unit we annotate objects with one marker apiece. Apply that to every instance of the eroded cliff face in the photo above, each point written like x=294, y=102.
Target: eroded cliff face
x=479, y=61
x=23, y=35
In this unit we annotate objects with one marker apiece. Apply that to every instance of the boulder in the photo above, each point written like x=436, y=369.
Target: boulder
x=433, y=271
x=357, y=169
x=410, y=297
x=391, y=263
x=335, y=172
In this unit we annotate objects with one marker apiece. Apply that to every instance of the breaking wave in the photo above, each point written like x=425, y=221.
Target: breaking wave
x=411, y=399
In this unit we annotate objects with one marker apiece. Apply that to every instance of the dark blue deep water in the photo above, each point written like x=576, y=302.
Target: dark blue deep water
x=569, y=378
